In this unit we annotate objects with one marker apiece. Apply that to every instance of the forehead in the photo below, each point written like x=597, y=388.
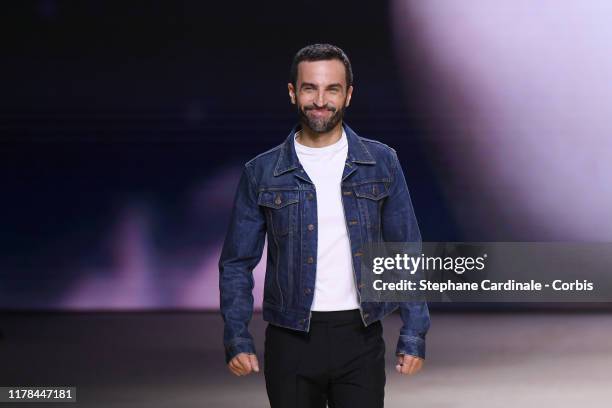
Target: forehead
x=321, y=72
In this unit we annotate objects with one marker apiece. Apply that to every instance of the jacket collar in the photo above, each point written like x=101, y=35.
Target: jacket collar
x=288, y=159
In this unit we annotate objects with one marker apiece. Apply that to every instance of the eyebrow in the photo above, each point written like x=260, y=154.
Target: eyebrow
x=336, y=85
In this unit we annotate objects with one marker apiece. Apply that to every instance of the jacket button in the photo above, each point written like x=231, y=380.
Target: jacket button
x=361, y=285
x=358, y=253
x=352, y=222
x=278, y=200
x=307, y=290
x=310, y=196
x=310, y=259
x=365, y=316
x=302, y=321
x=347, y=192
x=310, y=227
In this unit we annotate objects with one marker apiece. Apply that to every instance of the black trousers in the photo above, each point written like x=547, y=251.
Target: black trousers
x=339, y=362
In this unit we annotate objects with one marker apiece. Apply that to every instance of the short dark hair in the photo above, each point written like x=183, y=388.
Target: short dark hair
x=321, y=52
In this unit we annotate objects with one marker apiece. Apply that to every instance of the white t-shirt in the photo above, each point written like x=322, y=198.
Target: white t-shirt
x=335, y=283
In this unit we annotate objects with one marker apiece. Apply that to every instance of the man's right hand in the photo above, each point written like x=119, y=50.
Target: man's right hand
x=243, y=364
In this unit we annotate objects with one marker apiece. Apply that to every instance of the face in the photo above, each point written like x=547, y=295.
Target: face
x=321, y=95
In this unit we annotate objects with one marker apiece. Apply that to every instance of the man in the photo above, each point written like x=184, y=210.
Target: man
x=320, y=196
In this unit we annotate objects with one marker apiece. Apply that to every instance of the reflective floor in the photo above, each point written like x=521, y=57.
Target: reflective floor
x=176, y=360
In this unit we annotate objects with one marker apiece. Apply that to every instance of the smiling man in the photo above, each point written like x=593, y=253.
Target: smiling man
x=320, y=196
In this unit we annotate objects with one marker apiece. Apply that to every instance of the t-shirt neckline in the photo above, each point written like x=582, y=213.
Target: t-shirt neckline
x=334, y=147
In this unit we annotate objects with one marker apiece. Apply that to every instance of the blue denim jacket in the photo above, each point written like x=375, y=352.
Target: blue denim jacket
x=276, y=196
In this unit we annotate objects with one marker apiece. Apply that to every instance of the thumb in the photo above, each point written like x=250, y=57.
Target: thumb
x=254, y=362
x=400, y=362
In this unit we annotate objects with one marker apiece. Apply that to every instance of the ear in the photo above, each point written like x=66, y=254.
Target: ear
x=349, y=94
x=291, y=93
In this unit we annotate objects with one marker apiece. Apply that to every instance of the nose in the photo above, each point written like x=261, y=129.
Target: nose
x=319, y=100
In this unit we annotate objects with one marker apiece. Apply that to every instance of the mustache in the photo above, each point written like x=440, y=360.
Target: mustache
x=313, y=107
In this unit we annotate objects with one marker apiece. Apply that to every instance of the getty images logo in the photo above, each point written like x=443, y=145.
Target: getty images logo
x=411, y=264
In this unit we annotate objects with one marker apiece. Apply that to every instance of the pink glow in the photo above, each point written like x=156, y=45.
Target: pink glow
x=140, y=276
x=526, y=89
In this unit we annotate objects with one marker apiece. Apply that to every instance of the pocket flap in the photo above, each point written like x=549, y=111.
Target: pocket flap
x=278, y=198
x=373, y=191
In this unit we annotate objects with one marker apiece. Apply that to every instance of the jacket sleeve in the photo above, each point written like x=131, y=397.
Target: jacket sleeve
x=242, y=251
x=400, y=225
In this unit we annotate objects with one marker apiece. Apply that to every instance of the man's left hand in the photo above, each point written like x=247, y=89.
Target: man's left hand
x=408, y=365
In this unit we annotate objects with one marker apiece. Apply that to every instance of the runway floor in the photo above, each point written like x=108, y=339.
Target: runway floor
x=176, y=360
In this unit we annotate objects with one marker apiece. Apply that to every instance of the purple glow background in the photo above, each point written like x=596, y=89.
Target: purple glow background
x=121, y=149
x=140, y=276
x=522, y=94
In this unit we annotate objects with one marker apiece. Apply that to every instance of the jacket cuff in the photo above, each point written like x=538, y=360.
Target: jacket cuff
x=411, y=345
x=237, y=346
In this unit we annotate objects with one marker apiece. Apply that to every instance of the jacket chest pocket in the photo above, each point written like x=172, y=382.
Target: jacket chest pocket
x=370, y=198
x=281, y=207
x=375, y=191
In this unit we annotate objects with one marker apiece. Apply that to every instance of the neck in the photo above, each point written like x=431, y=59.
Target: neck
x=307, y=137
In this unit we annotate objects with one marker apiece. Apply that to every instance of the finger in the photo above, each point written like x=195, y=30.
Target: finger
x=400, y=363
x=407, y=364
x=406, y=367
x=411, y=365
x=418, y=364
x=254, y=362
x=235, y=367
x=245, y=362
x=414, y=364
x=239, y=365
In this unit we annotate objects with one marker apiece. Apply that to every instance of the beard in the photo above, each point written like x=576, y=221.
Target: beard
x=320, y=124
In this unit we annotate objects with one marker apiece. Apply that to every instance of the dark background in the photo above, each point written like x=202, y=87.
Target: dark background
x=123, y=126
x=107, y=103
